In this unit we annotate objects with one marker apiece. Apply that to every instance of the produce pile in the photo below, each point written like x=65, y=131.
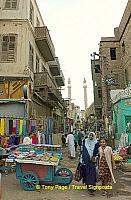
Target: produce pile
x=117, y=157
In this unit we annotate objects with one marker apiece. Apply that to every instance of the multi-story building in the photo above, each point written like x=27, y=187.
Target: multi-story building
x=97, y=89
x=27, y=57
x=115, y=62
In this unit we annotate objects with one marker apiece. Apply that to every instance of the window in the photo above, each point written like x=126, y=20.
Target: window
x=31, y=13
x=38, y=22
x=99, y=93
x=37, y=64
x=11, y=4
x=8, y=48
x=97, y=68
x=31, y=57
x=113, y=53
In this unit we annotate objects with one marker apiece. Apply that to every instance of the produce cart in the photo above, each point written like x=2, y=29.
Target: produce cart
x=37, y=164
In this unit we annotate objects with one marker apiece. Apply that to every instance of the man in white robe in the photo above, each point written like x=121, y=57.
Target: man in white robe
x=71, y=144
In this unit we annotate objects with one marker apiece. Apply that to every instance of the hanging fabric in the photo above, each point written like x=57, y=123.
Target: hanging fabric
x=17, y=126
x=2, y=129
x=21, y=126
x=24, y=128
x=6, y=129
x=14, y=127
x=33, y=126
x=10, y=126
x=30, y=125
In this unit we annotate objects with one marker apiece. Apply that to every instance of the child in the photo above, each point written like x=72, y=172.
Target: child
x=106, y=164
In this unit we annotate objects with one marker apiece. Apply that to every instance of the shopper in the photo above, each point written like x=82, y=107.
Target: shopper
x=75, y=133
x=89, y=151
x=106, y=164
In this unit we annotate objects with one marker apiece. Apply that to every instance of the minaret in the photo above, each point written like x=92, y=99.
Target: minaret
x=69, y=89
x=85, y=93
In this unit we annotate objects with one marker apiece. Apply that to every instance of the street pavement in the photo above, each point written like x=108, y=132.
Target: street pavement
x=11, y=189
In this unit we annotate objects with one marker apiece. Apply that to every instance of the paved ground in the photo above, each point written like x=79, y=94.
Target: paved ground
x=11, y=189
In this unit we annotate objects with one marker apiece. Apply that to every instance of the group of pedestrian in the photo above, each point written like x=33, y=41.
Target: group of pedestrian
x=91, y=149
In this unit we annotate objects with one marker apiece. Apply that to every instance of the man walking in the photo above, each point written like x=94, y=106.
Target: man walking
x=71, y=145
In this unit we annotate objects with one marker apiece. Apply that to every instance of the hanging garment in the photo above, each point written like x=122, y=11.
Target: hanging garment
x=27, y=126
x=10, y=126
x=2, y=127
x=30, y=125
x=33, y=126
x=6, y=126
x=21, y=126
x=24, y=128
x=39, y=137
x=17, y=126
x=14, y=127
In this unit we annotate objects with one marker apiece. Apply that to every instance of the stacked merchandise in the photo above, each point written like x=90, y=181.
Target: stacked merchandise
x=37, y=154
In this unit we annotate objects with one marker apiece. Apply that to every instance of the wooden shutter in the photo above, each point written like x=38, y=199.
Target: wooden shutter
x=11, y=4
x=8, y=48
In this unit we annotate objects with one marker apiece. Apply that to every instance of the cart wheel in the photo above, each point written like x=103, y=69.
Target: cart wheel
x=65, y=172
x=29, y=181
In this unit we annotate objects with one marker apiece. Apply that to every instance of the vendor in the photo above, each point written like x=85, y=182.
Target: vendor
x=27, y=141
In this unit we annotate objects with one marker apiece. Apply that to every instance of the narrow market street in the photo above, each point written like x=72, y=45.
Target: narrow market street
x=11, y=188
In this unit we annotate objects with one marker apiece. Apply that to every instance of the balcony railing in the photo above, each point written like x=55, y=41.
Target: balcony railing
x=44, y=43
x=60, y=80
x=54, y=67
x=43, y=80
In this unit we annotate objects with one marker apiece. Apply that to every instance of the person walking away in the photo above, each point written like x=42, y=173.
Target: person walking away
x=75, y=133
x=71, y=145
x=106, y=164
x=79, y=138
x=89, y=150
x=63, y=140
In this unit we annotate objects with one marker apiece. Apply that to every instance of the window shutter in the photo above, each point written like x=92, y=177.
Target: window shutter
x=8, y=48
x=11, y=4
x=8, y=4
x=14, y=4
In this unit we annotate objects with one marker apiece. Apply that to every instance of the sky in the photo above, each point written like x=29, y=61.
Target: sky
x=76, y=28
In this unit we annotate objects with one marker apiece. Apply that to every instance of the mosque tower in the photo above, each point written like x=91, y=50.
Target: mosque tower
x=85, y=93
x=69, y=89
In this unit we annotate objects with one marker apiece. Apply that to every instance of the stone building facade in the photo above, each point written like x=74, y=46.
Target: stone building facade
x=27, y=50
x=115, y=61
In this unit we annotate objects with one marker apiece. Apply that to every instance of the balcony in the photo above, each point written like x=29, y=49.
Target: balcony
x=44, y=43
x=54, y=67
x=60, y=80
x=44, y=83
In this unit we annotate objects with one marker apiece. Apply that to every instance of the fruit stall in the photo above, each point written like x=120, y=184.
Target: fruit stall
x=39, y=164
